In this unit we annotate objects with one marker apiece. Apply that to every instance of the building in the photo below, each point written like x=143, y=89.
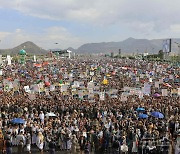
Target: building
x=62, y=53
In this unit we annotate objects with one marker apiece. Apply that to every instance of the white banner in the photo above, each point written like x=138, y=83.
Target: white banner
x=52, y=87
x=63, y=88
x=123, y=98
x=157, y=84
x=150, y=80
x=32, y=97
x=9, y=59
x=160, y=81
x=1, y=59
x=164, y=92
x=34, y=58
x=102, y=96
x=27, y=89
x=1, y=72
x=146, y=89
x=140, y=94
x=137, y=79
x=179, y=91
x=76, y=84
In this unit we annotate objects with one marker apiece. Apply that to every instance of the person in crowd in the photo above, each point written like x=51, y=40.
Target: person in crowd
x=177, y=145
x=74, y=144
x=28, y=142
x=21, y=146
x=52, y=146
x=2, y=142
x=8, y=146
x=40, y=141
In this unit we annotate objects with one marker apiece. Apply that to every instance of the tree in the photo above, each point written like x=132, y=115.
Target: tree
x=160, y=54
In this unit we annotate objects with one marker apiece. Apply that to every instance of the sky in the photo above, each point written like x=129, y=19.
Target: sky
x=71, y=23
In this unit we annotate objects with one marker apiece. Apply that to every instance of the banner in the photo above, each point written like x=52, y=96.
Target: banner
x=91, y=73
x=46, y=79
x=76, y=84
x=160, y=81
x=46, y=92
x=32, y=97
x=1, y=59
x=34, y=58
x=157, y=84
x=150, y=80
x=63, y=88
x=174, y=91
x=140, y=94
x=137, y=79
x=90, y=85
x=141, y=76
x=164, y=92
x=27, y=89
x=146, y=89
x=171, y=77
x=9, y=59
x=81, y=94
x=91, y=96
x=52, y=87
x=1, y=72
x=123, y=97
x=102, y=96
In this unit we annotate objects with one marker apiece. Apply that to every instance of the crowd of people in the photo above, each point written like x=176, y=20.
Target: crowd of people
x=90, y=105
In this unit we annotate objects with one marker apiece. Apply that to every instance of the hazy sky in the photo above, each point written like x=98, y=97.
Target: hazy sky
x=75, y=22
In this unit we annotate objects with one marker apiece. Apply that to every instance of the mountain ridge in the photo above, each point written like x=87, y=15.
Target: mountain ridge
x=130, y=45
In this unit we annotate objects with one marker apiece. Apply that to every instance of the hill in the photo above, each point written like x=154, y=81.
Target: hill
x=30, y=48
x=129, y=45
